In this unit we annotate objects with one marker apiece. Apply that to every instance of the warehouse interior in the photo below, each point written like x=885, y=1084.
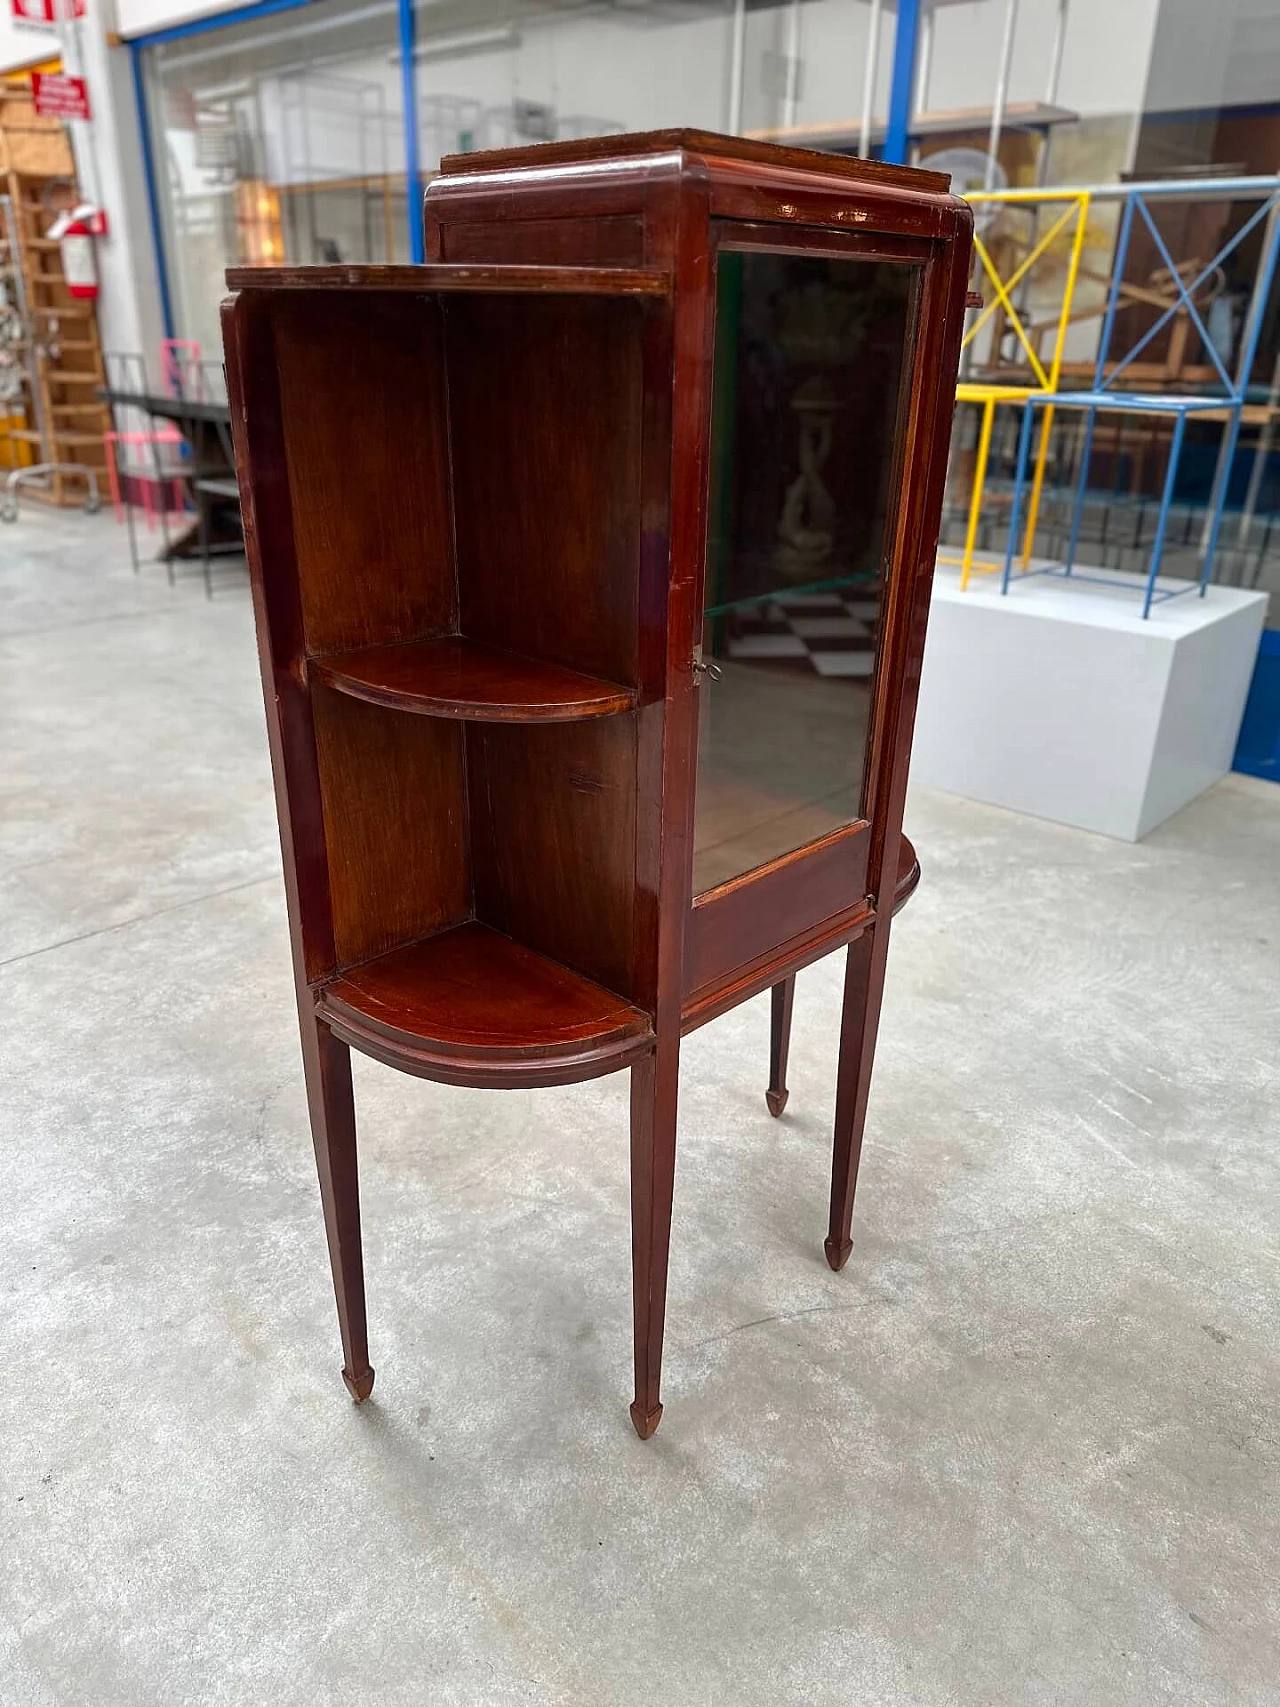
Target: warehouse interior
x=1017, y=1445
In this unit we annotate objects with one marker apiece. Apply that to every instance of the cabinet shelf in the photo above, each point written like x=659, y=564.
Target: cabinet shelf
x=458, y=678
x=476, y=1003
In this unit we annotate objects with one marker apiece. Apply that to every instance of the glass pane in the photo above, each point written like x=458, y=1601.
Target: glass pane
x=277, y=140
x=809, y=355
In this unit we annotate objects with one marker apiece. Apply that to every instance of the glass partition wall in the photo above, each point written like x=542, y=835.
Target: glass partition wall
x=277, y=141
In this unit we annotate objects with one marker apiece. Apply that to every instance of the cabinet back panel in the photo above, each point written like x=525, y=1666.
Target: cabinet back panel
x=553, y=839
x=545, y=413
x=362, y=402
x=395, y=821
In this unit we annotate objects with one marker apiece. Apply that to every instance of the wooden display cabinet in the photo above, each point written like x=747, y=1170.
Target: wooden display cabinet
x=591, y=564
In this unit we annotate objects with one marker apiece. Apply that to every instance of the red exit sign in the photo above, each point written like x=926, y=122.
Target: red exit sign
x=58, y=96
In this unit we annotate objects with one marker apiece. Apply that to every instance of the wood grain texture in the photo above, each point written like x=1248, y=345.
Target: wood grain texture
x=553, y=842
x=266, y=507
x=922, y=461
x=616, y=240
x=474, y=991
x=547, y=500
x=453, y=677
x=362, y=403
x=793, y=953
x=510, y=901
x=394, y=792
x=782, y=1002
x=327, y=1065
x=731, y=925
x=435, y=279
x=654, y=1091
x=584, y=150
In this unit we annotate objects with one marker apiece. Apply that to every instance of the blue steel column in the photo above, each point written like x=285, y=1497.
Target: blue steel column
x=412, y=153
x=1231, y=433
x=1166, y=499
x=153, y=199
x=902, y=87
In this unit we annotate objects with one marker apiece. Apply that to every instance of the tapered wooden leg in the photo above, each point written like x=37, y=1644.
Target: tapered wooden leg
x=654, y=1086
x=333, y=1130
x=863, y=988
x=779, y=1042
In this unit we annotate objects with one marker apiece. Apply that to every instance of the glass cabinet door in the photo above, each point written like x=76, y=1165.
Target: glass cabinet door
x=810, y=358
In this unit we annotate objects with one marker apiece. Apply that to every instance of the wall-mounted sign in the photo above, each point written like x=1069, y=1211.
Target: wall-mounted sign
x=58, y=96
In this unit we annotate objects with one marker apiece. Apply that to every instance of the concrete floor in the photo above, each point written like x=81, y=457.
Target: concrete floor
x=1024, y=1450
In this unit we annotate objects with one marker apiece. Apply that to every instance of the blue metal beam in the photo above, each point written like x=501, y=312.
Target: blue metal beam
x=902, y=87
x=153, y=199
x=412, y=149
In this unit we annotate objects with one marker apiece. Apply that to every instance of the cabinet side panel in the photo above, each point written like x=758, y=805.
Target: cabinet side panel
x=611, y=240
x=269, y=543
x=362, y=404
x=553, y=837
x=394, y=794
x=545, y=418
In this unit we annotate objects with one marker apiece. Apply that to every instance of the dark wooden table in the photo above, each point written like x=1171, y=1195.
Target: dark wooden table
x=207, y=429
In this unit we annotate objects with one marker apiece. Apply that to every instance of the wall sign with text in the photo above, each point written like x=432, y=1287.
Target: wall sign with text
x=58, y=96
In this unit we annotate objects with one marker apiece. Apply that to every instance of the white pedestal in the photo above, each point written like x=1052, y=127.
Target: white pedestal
x=1060, y=701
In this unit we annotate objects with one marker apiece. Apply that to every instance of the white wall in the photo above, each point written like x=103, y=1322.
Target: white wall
x=1226, y=53
x=1104, y=63
x=141, y=17
x=20, y=47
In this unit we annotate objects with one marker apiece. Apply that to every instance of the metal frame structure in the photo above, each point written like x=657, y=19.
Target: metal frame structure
x=1225, y=401
x=990, y=395
x=1094, y=401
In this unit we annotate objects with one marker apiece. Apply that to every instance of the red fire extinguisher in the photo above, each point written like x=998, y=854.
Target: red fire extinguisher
x=73, y=231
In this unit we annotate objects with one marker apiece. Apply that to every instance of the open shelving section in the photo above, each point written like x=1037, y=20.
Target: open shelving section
x=441, y=470
x=473, y=992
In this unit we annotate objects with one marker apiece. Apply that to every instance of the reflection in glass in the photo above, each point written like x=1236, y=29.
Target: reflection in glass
x=279, y=140
x=809, y=354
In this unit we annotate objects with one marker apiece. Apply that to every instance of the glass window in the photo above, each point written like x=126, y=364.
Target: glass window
x=277, y=141
x=809, y=364
x=501, y=73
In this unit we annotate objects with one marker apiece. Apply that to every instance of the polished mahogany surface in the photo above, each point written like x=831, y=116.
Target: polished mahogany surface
x=437, y=278
x=693, y=142
x=454, y=677
x=472, y=991
x=501, y=512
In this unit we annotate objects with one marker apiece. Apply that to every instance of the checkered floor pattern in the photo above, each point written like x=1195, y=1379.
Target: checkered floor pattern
x=830, y=634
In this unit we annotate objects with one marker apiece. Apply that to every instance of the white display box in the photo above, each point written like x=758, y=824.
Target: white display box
x=1060, y=701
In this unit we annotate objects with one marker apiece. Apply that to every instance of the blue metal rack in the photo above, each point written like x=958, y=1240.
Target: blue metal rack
x=1228, y=400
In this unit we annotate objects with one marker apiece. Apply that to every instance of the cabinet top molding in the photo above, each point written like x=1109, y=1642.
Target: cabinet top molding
x=706, y=145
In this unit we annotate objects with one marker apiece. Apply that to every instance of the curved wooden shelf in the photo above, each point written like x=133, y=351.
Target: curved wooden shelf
x=471, y=1006
x=453, y=677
